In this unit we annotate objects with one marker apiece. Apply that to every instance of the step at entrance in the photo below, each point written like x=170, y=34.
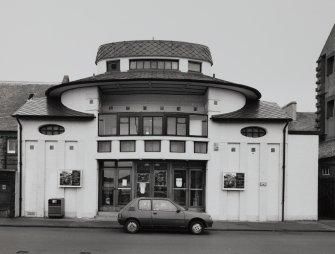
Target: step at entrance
x=110, y=216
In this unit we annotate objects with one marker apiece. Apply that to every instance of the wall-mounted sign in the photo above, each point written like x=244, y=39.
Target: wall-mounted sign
x=70, y=178
x=179, y=182
x=233, y=181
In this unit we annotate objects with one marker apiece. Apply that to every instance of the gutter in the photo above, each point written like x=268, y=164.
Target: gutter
x=284, y=172
x=20, y=167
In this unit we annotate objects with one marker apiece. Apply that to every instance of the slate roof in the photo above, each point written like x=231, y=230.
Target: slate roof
x=153, y=76
x=327, y=149
x=304, y=124
x=49, y=108
x=255, y=111
x=154, y=48
x=12, y=96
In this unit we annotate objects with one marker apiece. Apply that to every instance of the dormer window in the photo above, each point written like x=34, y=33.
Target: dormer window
x=153, y=64
x=113, y=65
x=194, y=66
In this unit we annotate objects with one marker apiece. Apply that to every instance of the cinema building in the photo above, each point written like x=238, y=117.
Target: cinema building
x=154, y=121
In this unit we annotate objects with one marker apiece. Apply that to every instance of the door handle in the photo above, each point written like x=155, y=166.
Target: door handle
x=155, y=213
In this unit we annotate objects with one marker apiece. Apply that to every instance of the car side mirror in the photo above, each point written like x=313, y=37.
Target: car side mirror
x=178, y=211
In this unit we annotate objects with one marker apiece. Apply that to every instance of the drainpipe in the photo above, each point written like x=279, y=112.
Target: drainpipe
x=20, y=168
x=284, y=170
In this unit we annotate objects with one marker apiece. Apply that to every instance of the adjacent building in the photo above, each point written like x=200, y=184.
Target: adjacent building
x=325, y=73
x=154, y=121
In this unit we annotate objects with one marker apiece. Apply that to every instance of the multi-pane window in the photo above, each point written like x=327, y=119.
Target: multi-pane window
x=253, y=132
x=51, y=129
x=176, y=126
x=104, y=146
x=127, y=146
x=200, y=147
x=152, y=125
x=177, y=146
x=196, y=188
x=198, y=125
x=129, y=125
x=153, y=64
x=11, y=145
x=330, y=65
x=107, y=125
x=194, y=66
x=113, y=65
x=152, y=145
x=330, y=108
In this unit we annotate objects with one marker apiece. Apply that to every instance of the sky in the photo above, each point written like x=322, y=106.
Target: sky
x=271, y=45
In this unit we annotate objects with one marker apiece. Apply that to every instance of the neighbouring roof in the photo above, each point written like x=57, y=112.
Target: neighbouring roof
x=327, y=149
x=13, y=95
x=49, y=108
x=255, y=111
x=154, y=48
x=304, y=124
x=141, y=81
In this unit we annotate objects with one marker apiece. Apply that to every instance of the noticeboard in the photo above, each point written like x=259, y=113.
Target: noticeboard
x=70, y=178
x=233, y=181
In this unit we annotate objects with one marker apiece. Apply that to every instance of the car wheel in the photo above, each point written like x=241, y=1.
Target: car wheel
x=196, y=227
x=132, y=226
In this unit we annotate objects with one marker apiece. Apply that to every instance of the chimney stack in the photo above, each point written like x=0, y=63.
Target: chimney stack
x=66, y=79
x=291, y=110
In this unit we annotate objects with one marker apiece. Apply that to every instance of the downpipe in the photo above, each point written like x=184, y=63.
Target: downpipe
x=284, y=173
x=20, y=168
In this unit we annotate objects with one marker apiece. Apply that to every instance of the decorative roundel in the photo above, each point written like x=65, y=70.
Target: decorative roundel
x=51, y=129
x=253, y=132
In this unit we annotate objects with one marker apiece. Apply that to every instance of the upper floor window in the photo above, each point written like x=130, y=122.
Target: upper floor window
x=152, y=125
x=11, y=145
x=153, y=64
x=129, y=125
x=51, y=129
x=253, y=132
x=176, y=126
x=194, y=66
x=330, y=65
x=113, y=65
x=107, y=125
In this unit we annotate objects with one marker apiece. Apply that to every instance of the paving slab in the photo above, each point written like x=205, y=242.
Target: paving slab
x=103, y=222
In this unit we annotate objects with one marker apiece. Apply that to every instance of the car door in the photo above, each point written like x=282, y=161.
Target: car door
x=144, y=212
x=166, y=214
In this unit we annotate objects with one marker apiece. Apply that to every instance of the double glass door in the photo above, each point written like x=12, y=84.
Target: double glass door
x=152, y=179
x=115, y=185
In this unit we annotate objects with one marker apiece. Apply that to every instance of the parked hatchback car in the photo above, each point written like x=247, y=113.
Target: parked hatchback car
x=161, y=213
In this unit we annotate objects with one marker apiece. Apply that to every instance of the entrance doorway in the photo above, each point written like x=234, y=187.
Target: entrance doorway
x=115, y=185
x=7, y=193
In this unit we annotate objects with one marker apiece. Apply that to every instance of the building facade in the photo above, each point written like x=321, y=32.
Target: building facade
x=154, y=121
x=325, y=73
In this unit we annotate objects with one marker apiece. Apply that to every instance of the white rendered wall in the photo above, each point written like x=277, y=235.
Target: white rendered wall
x=220, y=101
x=302, y=178
x=41, y=167
x=183, y=64
x=262, y=167
x=82, y=99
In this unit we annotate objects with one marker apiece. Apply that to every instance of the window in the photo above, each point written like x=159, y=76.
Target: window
x=107, y=125
x=253, y=132
x=196, y=188
x=153, y=64
x=129, y=125
x=200, y=147
x=51, y=129
x=127, y=146
x=11, y=145
x=330, y=108
x=152, y=145
x=152, y=125
x=177, y=146
x=330, y=65
x=198, y=125
x=194, y=66
x=104, y=146
x=163, y=205
x=176, y=126
x=144, y=205
x=113, y=65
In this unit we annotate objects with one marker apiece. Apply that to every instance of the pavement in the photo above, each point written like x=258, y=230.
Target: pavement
x=105, y=222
